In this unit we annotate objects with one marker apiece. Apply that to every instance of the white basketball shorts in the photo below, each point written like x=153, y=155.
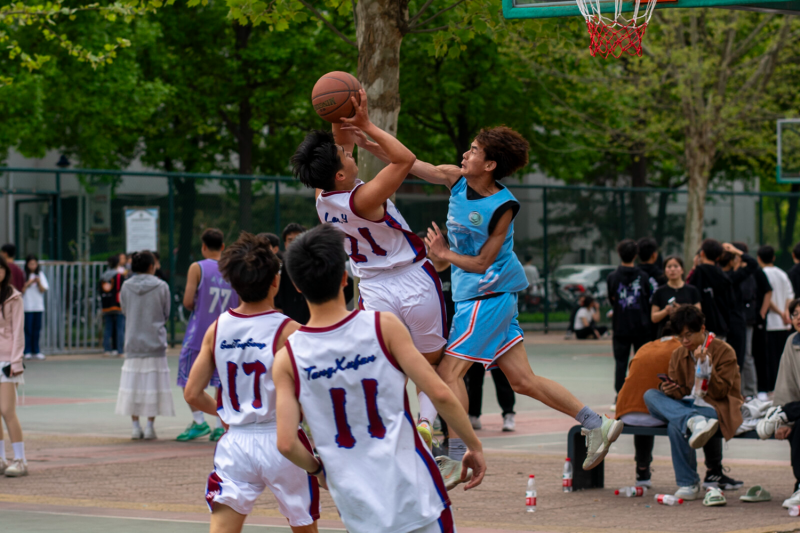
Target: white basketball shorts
x=414, y=295
x=247, y=461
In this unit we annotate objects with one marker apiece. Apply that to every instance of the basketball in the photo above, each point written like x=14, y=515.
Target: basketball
x=331, y=96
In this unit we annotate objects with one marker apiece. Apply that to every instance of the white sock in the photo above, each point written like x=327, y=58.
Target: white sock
x=19, y=450
x=426, y=408
x=218, y=422
x=2, y=450
x=198, y=417
x=136, y=424
x=150, y=423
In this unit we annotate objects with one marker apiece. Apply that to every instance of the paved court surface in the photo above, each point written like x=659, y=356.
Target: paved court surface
x=87, y=475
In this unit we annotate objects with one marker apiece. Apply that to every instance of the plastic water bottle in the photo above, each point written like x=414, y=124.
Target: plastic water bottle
x=530, y=495
x=668, y=499
x=794, y=510
x=702, y=372
x=631, y=492
x=566, y=478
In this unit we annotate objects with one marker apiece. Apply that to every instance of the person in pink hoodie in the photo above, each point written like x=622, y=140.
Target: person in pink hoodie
x=12, y=344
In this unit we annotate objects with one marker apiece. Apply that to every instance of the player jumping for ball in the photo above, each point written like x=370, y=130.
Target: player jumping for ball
x=241, y=345
x=348, y=372
x=384, y=253
x=486, y=278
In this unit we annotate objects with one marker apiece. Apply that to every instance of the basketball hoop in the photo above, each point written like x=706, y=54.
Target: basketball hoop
x=617, y=36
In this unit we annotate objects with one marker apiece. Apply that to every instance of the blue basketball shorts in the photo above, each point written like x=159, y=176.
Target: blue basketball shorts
x=483, y=330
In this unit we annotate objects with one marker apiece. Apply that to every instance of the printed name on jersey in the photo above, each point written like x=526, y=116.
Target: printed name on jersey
x=357, y=362
x=334, y=220
x=237, y=343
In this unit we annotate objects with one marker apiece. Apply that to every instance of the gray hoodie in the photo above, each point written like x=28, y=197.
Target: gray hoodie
x=145, y=303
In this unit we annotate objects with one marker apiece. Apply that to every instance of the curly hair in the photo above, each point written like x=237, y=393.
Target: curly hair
x=316, y=161
x=507, y=148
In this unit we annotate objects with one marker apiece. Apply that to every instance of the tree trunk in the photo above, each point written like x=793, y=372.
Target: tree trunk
x=245, y=134
x=638, y=170
x=379, y=36
x=698, y=163
x=186, y=190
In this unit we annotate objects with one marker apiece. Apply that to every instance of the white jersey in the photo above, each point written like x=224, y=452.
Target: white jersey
x=244, y=352
x=373, y=246
x=353, y=395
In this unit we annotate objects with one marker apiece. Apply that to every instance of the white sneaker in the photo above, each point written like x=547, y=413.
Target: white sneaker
x=774, y=419
x=763, y=396
x=150, y=433
x=692, y=492
x=702, y=429
x=28, y=356
x=476, y=422
x=508, y=422
x=598, y=441
x=114, y=353
x=17, y=468
x=451, y=472
x=3, y=466
x=40, y=356
x=137, y=434
x=792, y=500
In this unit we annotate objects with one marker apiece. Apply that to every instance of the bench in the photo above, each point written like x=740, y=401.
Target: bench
x=595, y=478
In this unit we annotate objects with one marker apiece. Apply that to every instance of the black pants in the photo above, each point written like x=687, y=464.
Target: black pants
x=474, y=382
x=622, y=352
x=588, y=333
x=737, y=339
x=776, y=340
x=792, y=410
x=760, y=356
x=643, y=446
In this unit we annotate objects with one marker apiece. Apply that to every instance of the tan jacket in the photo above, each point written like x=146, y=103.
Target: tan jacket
x=723, y=387
x=652, y=359
x=12, y=332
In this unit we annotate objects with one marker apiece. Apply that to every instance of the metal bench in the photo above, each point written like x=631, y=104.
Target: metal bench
x=595, y=478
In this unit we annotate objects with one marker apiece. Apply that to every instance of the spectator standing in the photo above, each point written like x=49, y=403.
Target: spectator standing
x=532, y=275
x=8, y=252
x=778, y=321
x=629, y=294
x=124, y=265
x=716, y=293
x=757, y=294
x=33, y=301
x=144, y=386
x=648, y=262
x=159, y=273
x=794, y=272
x=12, y=342
x=288, y=300
x=113, y=320
x=674, y=293
x=699, y=418
x=739, y=267
x=586, y=320
x=274, y=242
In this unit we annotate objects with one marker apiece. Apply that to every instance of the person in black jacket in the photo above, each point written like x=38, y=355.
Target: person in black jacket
x=794, y=272
x=288, y=300
x=629, y=293
x=739, y=267
x=650, y=264
x=716, y=292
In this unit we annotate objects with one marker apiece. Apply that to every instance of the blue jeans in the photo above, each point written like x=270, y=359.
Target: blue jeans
x=33, y=330
x=114, y=323
x=676, y=413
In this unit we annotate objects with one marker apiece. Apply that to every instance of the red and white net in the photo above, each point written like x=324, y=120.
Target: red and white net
x=618, y=35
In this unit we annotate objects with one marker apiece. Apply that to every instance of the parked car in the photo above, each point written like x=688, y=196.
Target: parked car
x=569, y=282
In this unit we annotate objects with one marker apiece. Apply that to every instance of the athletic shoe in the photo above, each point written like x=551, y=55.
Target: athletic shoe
x=150, y=433
x=476, y=422
x=792, y=500
x=17, y=468
x=692, y=492
x=28, y=356
x=718, y=479
x=598, y=441
x=3, y=466
x=451, y=472
x=137, y=433
x=702, y=429
x=216, y=434
x=568, y=335
x=774, y=419
x=508, y=422
x=763, y=396
x=114, y=353
x=643, y=477
x=424, y=430
x=612, y=407
x=106, y=354
x=194, y=431
x=714, y=498
x=40, y=356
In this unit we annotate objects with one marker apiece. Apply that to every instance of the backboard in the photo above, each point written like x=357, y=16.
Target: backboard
x=788, y=168
x=520, y=9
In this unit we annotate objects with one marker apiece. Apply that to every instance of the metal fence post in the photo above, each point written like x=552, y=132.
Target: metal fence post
x=59, y=215
x=171, y=241
x=546, y=263
x=622, y=215
x=278, y=208
x=760, y=220
x=52, y=220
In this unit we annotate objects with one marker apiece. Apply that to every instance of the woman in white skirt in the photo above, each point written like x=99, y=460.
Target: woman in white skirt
x=144, y=387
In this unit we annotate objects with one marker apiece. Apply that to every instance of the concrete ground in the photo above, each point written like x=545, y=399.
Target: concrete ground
x=87, y=475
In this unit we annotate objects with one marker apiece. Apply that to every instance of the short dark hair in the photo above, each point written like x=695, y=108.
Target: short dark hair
x=627, y=250
x=528, y=257
x=272, y=238
x=292, y=227
x=156, y=255
x=213, y=238
x=647, y=247
x=316, y=161
x=250, y=266
x=666, y=329
x=113, y=261
x=767, y=254
x=507, y=148
x=744, y=248
x=793, y=305
x=687, y=316
x=796, y=251
x=712, y=249
x=10, y=250
x=142, y=261
x=315, y=262
x=588, y=300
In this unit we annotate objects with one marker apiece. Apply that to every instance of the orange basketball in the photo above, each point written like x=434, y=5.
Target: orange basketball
x=331, y=96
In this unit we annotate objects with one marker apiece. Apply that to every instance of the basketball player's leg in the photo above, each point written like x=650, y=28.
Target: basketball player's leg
x=297, y=493
x=199, y=426
x=226, y=520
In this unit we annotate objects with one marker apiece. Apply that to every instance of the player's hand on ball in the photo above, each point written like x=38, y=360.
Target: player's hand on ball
x=435, y=241
x=361, y=118
x=476, y=462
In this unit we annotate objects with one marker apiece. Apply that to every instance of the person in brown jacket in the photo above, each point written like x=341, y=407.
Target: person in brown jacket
x=691, y=420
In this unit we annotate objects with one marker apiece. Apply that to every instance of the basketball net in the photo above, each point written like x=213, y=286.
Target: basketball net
x=617, y=36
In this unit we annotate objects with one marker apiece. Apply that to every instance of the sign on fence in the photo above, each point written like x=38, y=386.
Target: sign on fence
x=141, y=229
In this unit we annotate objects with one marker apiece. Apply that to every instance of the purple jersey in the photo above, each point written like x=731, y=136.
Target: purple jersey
x=214, y=296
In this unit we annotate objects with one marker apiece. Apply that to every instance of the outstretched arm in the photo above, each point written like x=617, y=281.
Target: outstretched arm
x=477, y=264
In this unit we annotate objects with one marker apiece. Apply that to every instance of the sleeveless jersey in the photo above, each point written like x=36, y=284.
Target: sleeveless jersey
x=468, y=230
x=244, y=351
x=214, y=296
x=374, y=246
x=380, y=473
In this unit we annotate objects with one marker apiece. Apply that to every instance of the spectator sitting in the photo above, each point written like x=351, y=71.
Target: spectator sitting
x=649, y=362
x=673, y=293
x=586, y=319
x=572, y=314
x=7, y=252
x=685, y=415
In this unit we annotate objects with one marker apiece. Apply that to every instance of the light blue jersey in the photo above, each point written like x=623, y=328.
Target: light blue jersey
x=468, y=230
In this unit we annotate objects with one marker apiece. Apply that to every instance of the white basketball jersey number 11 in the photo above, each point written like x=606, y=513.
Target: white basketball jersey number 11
x=216, y=293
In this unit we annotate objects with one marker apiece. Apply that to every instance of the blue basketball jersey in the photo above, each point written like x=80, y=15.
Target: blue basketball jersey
x=468, y=230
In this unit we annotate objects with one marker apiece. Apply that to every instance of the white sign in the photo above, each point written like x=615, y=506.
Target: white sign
x=141, y=229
